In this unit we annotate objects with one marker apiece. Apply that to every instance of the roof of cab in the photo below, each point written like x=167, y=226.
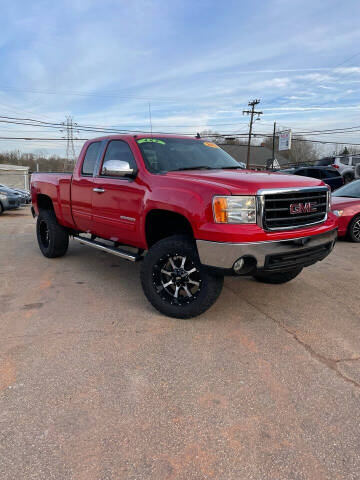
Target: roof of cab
x=128, y=136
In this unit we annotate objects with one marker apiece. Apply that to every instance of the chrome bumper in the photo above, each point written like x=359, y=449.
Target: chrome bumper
x=223, y=255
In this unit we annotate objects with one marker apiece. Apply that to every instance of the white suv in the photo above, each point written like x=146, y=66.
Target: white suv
x=346, y=166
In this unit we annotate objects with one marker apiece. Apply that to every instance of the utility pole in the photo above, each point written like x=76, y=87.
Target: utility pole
x=70, y=136
x=251, y=112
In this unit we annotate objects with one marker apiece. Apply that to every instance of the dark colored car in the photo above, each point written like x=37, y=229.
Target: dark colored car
x=8, y=200
x=345, y=204
x=23, y=195
x=328, y=175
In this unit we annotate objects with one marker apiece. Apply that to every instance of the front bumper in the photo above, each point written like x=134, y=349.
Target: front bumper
x=278, y=255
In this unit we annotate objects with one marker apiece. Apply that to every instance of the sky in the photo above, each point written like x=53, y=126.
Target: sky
x=198, y=63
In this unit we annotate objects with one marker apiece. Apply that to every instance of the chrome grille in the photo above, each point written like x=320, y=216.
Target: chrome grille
x=286, y=209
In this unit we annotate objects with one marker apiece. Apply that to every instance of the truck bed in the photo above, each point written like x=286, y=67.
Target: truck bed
x=57, y=186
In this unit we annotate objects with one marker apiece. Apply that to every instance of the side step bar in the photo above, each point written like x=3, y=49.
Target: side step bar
x=132, y=257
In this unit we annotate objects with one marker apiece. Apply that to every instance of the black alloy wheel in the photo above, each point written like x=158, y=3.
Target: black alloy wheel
x=176, y=279
x=175, y=282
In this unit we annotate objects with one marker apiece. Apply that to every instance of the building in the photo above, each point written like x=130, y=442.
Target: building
x=14, y=176
x=260, y=157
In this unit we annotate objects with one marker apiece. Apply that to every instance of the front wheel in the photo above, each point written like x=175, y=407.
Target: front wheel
x=175, y=282
x=1, y=209
x=277, y=277
x=354, y=229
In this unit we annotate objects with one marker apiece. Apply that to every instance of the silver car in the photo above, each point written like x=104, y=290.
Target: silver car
x=346, y=166
x=8, y=200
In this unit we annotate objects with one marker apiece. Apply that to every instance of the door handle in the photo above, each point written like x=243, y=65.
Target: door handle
x=99, y=190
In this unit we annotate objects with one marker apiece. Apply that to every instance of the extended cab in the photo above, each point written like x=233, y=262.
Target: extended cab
x=188, y=211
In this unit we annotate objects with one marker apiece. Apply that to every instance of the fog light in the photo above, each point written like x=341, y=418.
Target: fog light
x=238, y=265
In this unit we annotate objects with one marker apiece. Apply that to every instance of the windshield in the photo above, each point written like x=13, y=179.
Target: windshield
x=350, y=190
x=170, y=154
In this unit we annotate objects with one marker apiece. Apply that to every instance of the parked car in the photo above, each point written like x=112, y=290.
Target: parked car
x=24, y=198
x=346, y=164
x=328, y=175
x=8, y=200
x=191, y=213
x=357, y=172
x=345, y=204
x=25, y=194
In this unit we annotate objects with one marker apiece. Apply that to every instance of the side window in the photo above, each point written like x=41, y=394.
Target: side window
x=344, y=160
x=120, y=150
x=315, y=173
x=302, y=172
x=331, y=172
x=90, y=158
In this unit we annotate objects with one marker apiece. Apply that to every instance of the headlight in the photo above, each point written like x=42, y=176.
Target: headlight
x=3, y=197
x=338, y=213
x=234, y=209
x=328, y=198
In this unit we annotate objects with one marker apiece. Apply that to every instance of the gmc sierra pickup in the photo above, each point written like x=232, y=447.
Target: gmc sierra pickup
x=188, y=211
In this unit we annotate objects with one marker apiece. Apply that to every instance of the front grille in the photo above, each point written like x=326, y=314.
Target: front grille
x=13, y=203
x=294, y=209
x=299, y=258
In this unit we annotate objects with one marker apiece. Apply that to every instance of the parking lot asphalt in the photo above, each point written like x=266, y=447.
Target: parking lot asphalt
x=96, y=385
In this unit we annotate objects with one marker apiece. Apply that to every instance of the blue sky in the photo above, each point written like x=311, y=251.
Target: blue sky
x=198, y=62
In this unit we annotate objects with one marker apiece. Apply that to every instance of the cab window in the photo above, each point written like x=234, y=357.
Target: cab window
x=90, y=158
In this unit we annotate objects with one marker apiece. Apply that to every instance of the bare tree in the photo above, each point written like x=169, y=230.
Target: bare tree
x=301, y=150
x=212, y=135
x=46, y=164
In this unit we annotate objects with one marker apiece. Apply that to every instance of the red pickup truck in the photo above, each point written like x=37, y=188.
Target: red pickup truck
x=188, y=211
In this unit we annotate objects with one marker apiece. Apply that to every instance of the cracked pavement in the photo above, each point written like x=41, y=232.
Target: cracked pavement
x=96, y=385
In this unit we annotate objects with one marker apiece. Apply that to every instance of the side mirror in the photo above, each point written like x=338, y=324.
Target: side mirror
x=117, y=168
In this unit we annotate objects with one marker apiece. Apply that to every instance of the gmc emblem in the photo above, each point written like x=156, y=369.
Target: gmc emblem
x=308, y=207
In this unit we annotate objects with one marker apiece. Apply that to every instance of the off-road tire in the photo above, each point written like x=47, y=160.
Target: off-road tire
x=176, y=248
x=277, y=277
x=353, y=229
x=53, y=239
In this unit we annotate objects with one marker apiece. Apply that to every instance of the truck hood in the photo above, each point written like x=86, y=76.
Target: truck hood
x=245, y=182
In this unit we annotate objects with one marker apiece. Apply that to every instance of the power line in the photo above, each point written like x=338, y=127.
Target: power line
x=347, y=60
x=218, y=135
x=39, y=123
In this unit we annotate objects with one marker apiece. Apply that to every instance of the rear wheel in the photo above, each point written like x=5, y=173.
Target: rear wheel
x=354, y=229
x=277, y=277
x=175, y=282
x=53, y=239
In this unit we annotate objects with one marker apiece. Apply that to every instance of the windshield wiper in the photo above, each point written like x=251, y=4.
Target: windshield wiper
x=235, y=166
x=200, y=167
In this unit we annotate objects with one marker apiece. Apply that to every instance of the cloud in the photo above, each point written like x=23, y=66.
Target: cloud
x=345, y=70
x=316, y=77
x=102, y=61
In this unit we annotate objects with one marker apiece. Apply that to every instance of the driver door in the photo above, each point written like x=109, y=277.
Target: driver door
x=116, y=200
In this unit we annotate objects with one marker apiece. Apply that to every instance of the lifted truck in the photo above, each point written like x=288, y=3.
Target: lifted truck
x=191, y=212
